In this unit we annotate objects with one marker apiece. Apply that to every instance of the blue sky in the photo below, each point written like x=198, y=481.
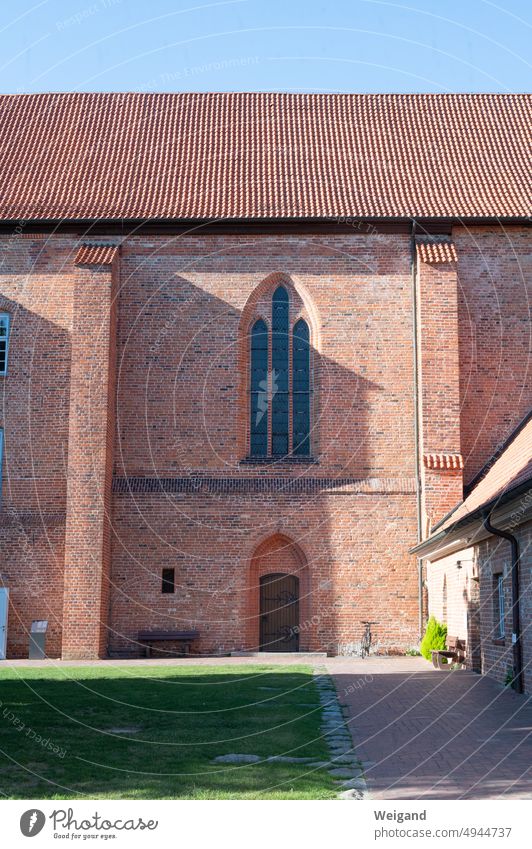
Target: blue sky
x=265, y=45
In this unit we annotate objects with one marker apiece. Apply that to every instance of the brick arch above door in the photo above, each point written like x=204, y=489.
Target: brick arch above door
x=278, y=554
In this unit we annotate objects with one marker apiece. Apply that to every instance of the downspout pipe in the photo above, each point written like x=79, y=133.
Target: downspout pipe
x=415, y=341
x=517, y=682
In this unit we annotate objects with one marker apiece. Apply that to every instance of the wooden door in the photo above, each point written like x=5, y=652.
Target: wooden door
x=279, y=612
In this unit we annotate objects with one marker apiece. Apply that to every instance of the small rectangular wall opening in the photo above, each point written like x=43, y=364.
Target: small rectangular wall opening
x=168, y=582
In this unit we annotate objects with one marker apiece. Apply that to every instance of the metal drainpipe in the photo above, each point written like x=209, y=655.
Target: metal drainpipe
x=415, y=333
x=517, y=683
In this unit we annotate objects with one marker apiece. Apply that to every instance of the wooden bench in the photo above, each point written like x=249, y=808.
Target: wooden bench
x=454, y=653
x=184, y=637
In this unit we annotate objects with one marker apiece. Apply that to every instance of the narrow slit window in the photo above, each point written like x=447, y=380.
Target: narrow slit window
x=301, y=389
x=280, y=380
x=259, y=390
x=168, y=583
x=4, y=342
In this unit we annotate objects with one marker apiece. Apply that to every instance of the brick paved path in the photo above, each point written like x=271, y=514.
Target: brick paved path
x=435, y=735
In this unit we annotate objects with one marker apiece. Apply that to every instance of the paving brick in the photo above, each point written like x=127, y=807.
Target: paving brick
x=424, y=734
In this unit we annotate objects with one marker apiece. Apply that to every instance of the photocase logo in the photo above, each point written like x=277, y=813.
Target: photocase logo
x=267, y=389
x=32, y=822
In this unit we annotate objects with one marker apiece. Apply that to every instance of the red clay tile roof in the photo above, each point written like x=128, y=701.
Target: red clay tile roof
x=208, y=156
x=436, y=250
x=512, y=468
x=90, y=254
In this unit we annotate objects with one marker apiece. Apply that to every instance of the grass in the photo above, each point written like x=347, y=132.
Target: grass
x=151, y=732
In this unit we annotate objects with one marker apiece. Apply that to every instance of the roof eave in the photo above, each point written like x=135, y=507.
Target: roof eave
x=472, y=523
x=423, y=223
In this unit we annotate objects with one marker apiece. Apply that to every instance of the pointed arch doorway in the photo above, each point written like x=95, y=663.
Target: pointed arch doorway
x=279, y=612
x=279, y=595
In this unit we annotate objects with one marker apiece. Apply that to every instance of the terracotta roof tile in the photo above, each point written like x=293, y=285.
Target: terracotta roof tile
x=513, y=467
x=257, y=155
x=436, y=250
x=90, y=254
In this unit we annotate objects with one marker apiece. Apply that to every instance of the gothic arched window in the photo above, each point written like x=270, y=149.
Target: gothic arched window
x=280, y=384
x=259, y=390
x=280, y=378
x=301, y=389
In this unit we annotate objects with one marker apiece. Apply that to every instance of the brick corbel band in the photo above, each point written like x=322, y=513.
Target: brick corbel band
x=90, y=452
x=443, y=462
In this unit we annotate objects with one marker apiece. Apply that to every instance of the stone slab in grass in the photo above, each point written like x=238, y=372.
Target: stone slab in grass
x=237, y=759
x=335, y=738
x=352, y=760
x=341, y=772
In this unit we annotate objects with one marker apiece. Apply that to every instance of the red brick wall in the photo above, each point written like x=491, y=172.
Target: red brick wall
x=495, y=289
x=180, y=312
x=36, y=276
x=32, y=557
x=90, y=464
x=183, y=309
x=494, y=558
x=347, y=573
x=439, y=382
x=524, y=535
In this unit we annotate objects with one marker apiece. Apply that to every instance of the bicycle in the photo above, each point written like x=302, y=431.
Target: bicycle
x=365, y=645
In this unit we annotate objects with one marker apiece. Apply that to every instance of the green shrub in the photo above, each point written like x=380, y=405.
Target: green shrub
x=509, y=680
x=435, y=637
x=413, y=652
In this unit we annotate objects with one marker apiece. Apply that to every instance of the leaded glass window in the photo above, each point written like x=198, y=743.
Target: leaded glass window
x=301, y=389
x=280, y=384
x=259, y=390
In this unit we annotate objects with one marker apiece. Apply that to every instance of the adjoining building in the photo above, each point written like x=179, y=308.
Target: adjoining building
x=479, y=566
x=253, y=348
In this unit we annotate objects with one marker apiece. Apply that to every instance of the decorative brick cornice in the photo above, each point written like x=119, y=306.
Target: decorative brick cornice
x=443, y=462
x=96, y=254
x=264, y=485
x=434, y=249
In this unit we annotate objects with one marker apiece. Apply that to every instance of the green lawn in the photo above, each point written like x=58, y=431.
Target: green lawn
x=61, y=732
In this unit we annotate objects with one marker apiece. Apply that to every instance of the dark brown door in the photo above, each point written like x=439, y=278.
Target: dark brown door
x=279, y=613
